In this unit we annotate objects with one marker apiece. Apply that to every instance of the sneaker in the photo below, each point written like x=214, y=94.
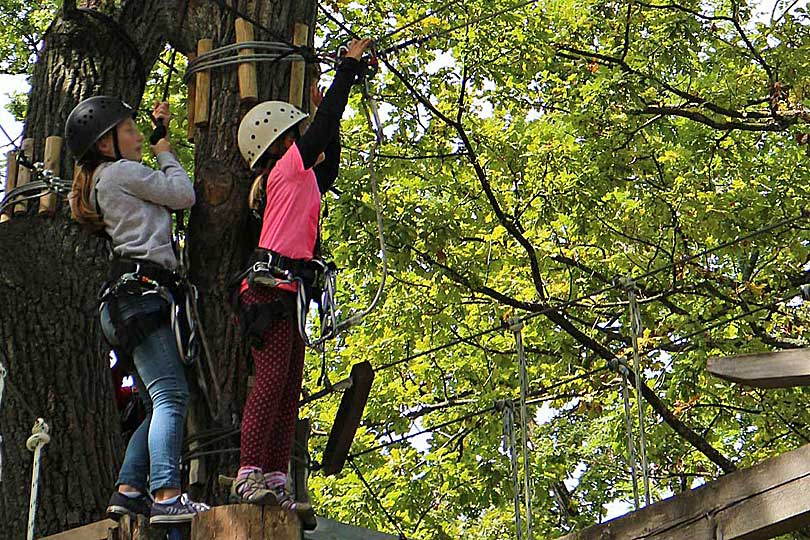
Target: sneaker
x=181, y=510
x=251, y=489
x=121, y=505
x=282, y=498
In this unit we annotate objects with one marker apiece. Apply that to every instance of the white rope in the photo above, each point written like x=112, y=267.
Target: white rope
x=517, y=329
x=39, y=438
x=636, y=330
x=509, y=446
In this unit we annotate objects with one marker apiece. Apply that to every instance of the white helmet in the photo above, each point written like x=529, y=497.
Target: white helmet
x=262, y=125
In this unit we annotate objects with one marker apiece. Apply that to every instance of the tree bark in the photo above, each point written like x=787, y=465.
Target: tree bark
x=50, y=272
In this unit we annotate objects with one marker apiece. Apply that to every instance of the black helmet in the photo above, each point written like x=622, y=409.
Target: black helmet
x=91, y=119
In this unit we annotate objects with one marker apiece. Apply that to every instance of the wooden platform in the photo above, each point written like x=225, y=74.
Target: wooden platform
x=231, y=522
x=781, y=369
x=762, y=502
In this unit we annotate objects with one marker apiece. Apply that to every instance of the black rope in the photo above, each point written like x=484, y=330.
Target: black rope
x=376, y=498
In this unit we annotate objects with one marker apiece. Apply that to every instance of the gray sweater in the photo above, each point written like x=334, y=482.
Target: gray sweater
x=135, y=201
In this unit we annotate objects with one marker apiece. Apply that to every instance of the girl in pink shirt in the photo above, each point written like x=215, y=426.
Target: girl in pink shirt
x=297, y=164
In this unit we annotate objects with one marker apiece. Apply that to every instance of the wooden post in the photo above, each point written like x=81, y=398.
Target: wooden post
x=248, y=88
x=781, y=369
x=298, y=67
x=24, y=173
x=300, y=470
x=246, y=521
x=764, y=501
x=191, y=101
x=53, y=149
x=11, y=181
x=347, y=419
x=203, y=91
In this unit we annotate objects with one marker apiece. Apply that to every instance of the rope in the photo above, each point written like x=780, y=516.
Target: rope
x=635, y=330
x=628, y=417
x=376, y=498
x=228, y=55
x=517, y=329
x=509, y=446
x=38, y=439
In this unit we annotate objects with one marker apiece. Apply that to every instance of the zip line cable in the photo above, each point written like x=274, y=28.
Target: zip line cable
x=376, y=498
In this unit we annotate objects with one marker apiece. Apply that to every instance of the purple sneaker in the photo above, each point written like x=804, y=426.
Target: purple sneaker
x=181, y=510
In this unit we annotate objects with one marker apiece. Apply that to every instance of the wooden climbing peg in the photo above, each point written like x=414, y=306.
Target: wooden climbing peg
x=203, y=91
x=248, y=88
x=53, y=150
x=24, y=173
x=297, y=71
x=11, y=181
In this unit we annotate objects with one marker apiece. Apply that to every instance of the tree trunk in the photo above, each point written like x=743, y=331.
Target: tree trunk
x=50, y=339
x=50, y=272
x=220, y=232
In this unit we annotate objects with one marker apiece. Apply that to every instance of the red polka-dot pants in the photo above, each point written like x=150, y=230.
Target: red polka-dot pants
x=271, y=409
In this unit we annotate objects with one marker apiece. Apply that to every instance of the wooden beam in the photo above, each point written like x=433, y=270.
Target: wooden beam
x=782, y=369
x=762, y=502
x=347, y=419
x=93, y=531
x=333, y=530
x=245, y=522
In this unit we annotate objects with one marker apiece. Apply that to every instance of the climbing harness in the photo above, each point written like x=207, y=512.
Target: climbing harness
x=509, y=444
x=38, y=439
x=635, y=331
x=516, y=327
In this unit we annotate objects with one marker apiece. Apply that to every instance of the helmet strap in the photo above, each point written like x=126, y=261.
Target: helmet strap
x=116, y=148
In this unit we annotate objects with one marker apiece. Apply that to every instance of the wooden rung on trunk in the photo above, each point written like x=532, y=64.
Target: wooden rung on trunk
x=11, y=181
x=782, y=369
x=203, y=90
x=53, y=151
x=248, y=88
x=24, y=173
x=297, y=71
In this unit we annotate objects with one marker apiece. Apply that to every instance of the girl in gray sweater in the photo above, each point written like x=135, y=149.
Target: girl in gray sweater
x=115, y=194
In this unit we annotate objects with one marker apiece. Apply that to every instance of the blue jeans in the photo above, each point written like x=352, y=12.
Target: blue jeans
x=155, y=447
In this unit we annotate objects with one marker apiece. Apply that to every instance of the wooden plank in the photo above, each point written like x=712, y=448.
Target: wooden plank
x=203, y=87
x=297, y=71
x=347, y=419
x=782, y=369
x=333, y=530
x=245, y=522
x=11, y=181
x=299, y=466
x=93, y=531
x=24, y=173
x=53, y=151
x=762, y=502
x=248, y=87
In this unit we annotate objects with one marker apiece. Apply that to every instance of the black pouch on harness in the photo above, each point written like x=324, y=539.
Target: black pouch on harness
x=131, y=331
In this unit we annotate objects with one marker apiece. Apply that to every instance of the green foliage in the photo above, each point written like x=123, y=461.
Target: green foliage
x=612, y=138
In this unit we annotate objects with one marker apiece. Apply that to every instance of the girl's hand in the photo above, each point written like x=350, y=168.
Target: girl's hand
x=161, y=146
x=357, y=47
x=315, y=94
x=161, y=112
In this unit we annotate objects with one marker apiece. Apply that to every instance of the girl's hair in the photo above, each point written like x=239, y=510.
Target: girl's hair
x=82, y=208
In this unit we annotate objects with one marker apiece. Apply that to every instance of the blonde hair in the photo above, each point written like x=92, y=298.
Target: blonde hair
x=82, y=208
